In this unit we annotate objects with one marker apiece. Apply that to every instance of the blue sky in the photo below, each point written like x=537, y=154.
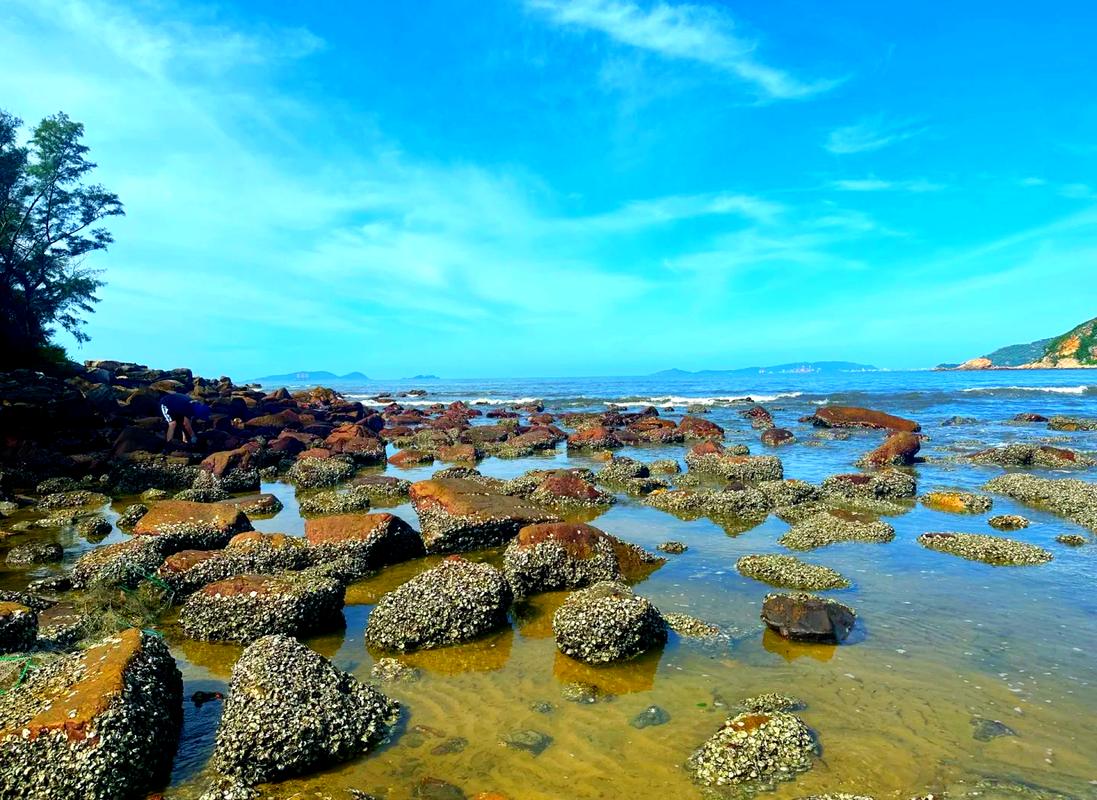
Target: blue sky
x=554, y=187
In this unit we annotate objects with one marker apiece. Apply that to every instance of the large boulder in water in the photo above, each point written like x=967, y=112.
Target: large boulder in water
x=101, y=724
x=18, y=627
x=805, y=617
x=290, y=711
x=453, y=602
x=898, y=449
x=365, y=542
x=607, y=622
x=458, y=515
x=854, y=417
x=247, y=607
x=570, y=555
x=181, y=523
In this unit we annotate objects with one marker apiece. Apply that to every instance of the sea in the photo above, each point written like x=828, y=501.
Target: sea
x=960, y=678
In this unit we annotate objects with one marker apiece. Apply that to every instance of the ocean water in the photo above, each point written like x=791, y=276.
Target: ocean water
x=940, y=641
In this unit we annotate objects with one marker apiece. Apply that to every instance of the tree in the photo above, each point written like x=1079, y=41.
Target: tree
x=49, y=223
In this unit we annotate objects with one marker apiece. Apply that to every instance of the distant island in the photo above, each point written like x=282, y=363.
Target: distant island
x=423, y=378
x=1077, y=348
x=307, y=376
x=798, y=367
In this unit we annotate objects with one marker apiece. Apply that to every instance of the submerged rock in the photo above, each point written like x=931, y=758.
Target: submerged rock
x=899, y=449
x=607, y=622
x=690, y=627
x=333, y=501
x=453, y=602
x=1071, y=539
x=1030, y=455
x=652, y=715
x=320, y=473
x=100, y=724
x=768, y=702
x=1074, y=499
x=568, y=555
x=531, y=741
x=1064, y=423
x=789, y=572
x=247, y=607
x=996, y=550
x=754, y=747
x=833, y=526
x=807, y=618
x=290, y=711
x=987, y=729
x=1008, y=522
x=460, y=514
x=34, y=553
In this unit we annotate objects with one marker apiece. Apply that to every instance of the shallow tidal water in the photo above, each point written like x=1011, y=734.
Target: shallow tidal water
x=939, y=642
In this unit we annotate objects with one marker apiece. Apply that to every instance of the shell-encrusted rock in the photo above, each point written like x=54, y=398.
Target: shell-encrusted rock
x=889, y=484
x=362, y=542
x=1074, y=499
x=607, y=622
x=256, y=505
x=34, y=553
x=458, y=515
x=383, y=488
x=740, y=501
x=568, y=490
x=122, y=564
x=808, y=618
x=131, y=515
x=453, y=602
x=290, y=711
x=100, y=724
x=319, y=473
x=832, y=526
x=77, y=499
x=1008, y=522
x=1019, y=454
x=768, y=702
x=568, y=555
x=789, y=572
x=180, y=524
x=333, y=501
x=246, y=553
x=957, y=502
x=754, y=747
x=996, y=550
x=18, y=627
x=247, y=607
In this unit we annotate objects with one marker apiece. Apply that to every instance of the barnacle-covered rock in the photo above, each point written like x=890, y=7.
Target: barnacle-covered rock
x=1074, y=499
x=736, y=500
x=461, y=514
x=1019, y=454
x=607, y=622
x=453, y=602
x=568, y=555
x=319, y=473
x=383, y=488
x=334, y=501
x=754, y=747
x=255, y=505
x=131, y=515
x=246, y=607
x=996, y=550
x=76, y=499
x=34, y=553
x=362, y=542
x=18, y=627
x=1008, y=522
x=808, y=618
x=246, y=553
x=835, y=525
x=180, y=524
x=564, y=489
x=957, y=502
x=768, y=702
x=122, y=564
x=290, y=711
x=789, y=572
x=100, y=724
x=884, y=490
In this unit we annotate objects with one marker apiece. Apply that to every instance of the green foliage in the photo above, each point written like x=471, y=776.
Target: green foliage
x=1017, y=354
x=49, y=222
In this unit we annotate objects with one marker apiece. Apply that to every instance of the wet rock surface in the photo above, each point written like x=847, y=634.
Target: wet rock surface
x=834, y=526
x=290, y=711
x=808, y=618
x=1069, y=497
x=102, y=723
x=453, y=602
x=607, y=622
x=957, y=502
x=18, y=627
x=363, y=542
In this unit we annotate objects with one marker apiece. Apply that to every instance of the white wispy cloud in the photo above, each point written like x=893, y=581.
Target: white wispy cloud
x=873, y=184
x=683, y=31
x=872, y=133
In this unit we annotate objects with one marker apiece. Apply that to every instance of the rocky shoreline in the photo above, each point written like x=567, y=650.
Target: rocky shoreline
x=103, y=684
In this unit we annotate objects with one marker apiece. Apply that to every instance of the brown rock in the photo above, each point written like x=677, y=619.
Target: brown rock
x=187, y=524
x=410, y=457
x=697, y=428
x=775, y=437
x=805, y=617
x=898, y=449
x=370, y=541
x=854, y=417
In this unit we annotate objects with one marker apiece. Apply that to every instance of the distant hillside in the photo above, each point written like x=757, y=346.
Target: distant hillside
x=424, y=378
x=1075, y=348
x=311, y=376
x=813, y=367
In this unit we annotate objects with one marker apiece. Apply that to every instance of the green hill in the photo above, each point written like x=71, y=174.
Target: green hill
x=1075, y=348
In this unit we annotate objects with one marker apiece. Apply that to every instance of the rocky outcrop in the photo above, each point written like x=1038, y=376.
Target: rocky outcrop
x=833, y=526
x=899, y=449
x=100, y=724
x=1030, y=455
x=789, y=572
x=607, y=622
x=290, y=711
x=458, y=515
x=1074, y=499
x=453, y=602
x=246, y=553
x=854, y=417
x=180, y=524
x=996, y=550
x=247, y=607
x=568, y=555
x=18, y=627
x=362, y=542
x=807, y=618
x=751, y=469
